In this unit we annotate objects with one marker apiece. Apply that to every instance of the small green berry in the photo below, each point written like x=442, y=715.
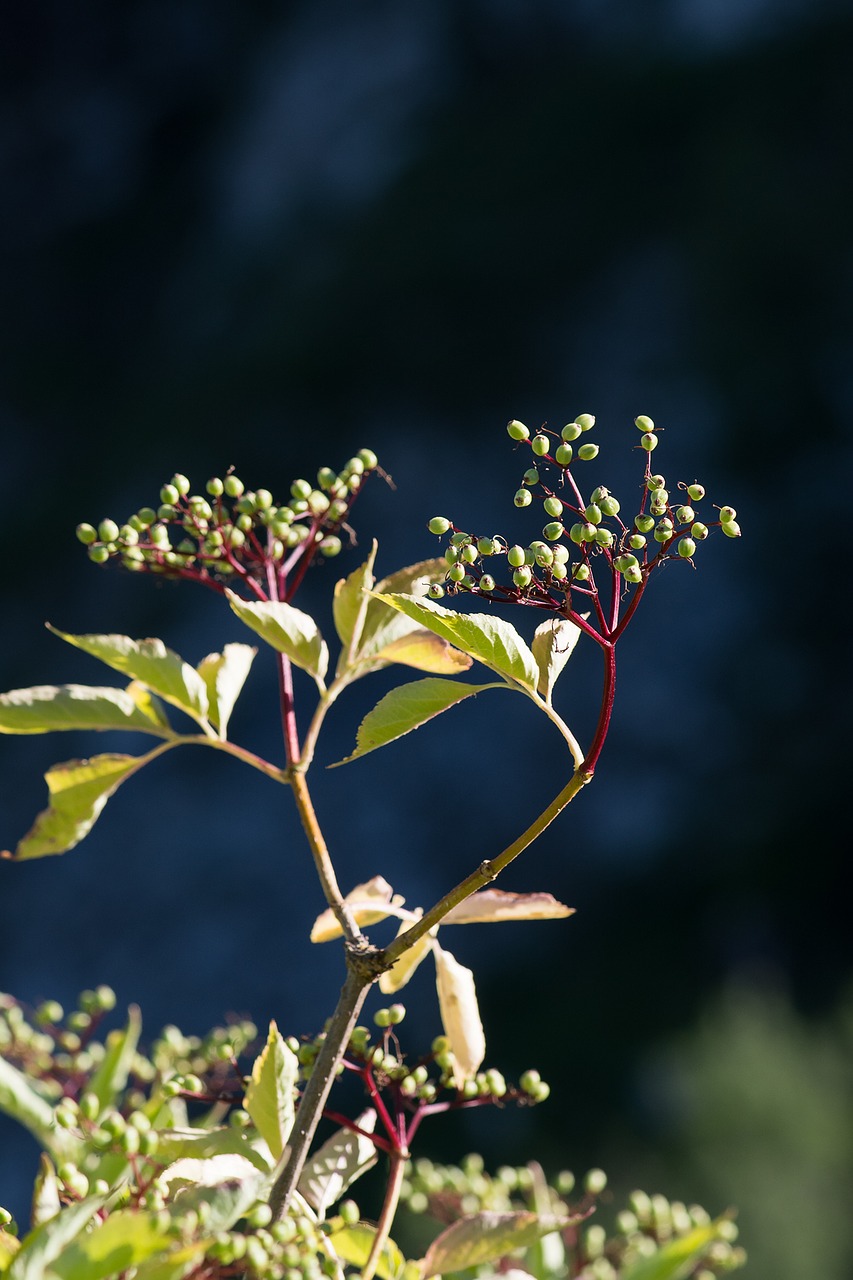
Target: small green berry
x=571, y=431
x=181, y=483
x=727, y=516
x=438, y=525
x=609, y=506
x=522, y=577
x=451, y=555
x=98, y=555
x=580, y=573
x=552, y=507
x=587, y=452
x=685, y=515
x=540, y=444
x=368, y=459
x=731, y=529
x=517, y=430
x=586, y=421
x=530, y=1080
x=301, y=490
x=456, y=573
x=108, y=531
x=522, y=498
x=553, y=531
x=459, y=539
x=515, y=556
x=435, y=591
x=488, y=546
x=604, y=538
x=595, y=1182
x=686, y=548
x=699, y=531
x=644, y=523
x=487, y=582
x=215, y=487
x=655, y=482
x=330, y=546
x=593, y=513
x=644, y=423
x=695, y=492
x=531, y=476
x=649, y=442
x=470, y=553
x=576, y=533
x=564, y=455
x=636, y=542
x=87, y=534
x=169, y=494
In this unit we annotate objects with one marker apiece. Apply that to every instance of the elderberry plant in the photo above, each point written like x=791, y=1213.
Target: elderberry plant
x=197, y=1157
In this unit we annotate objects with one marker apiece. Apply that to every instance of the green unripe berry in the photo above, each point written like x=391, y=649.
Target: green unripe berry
x=487, y=582
x=233, y=486
x=181, y=483
x=522, y=498
x=644, y=423
x=488, y=546
x=595, y=1182
x=515, y=556
x=215, y=487
x=587, y=452
x=169, y=494
x=87, y=534
x=571, y=431
x=531, y=476
x=522, y=577
x=656, y=482
x=586, y=421
x=382, y=1018
x=98, y=555
x=593, y=513
x=727, y=515
x=540, y=444
x=580, y=573
x=263, y=500
x=553, y=531
x=236, y=537
x=609, y=506
x=731, y=529
x=517, y=430
x=659, y=496
x=552, y=507
x=451, y=555
x=468, y=583
x=625, y=562
x=438, y=525
x=686, y=548
x=355, y=467
x=589, y=531
x=90, y=1106
x=543, y=555
x=301, y=490
x=576, y=533
x=456, y=573
x=695, y=492
x=564, y=454
x=663, y=531
x=636, y=542
x=435, y=591
x=244, y=523
x=604, y=538
x=649, y=442
x=560, y=553
x=699, y=531
x=559, y=570
x=368, y=459
x=108, y=531
x=459, y=539
x=685, y=515
x=469, y=553
x=530, y=1080
x=330, y=546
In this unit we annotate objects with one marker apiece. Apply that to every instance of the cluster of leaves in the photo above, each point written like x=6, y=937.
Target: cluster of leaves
x=158, y=1165
x=544, y=573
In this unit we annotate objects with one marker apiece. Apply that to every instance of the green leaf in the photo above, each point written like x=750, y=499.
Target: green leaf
x=20, y=1100
x=45, y=1202
x=9, y=1246
x=338, y=1163
x=150, y=662
x=122, y=1240
x=175, y=1264
x=553, y=644
x=408, y=707
x=483, y=1237
x=46, y=708
x=490, y=640
x=426, y=652
x=224, y=675
x=288, y=630
x=224, y=1188
x=111, y=1076
x=201, y=1144
x=353, y=1244
x=384, y=625
x=34, y=1260
x=151, y=707
x=350, y=605
x=78, y=789
x=675, y=1259
x=269, y=1097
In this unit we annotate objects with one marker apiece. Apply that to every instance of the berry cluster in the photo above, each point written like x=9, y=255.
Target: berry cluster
x=231, y=532
x=450, y=1192
x=582, y=534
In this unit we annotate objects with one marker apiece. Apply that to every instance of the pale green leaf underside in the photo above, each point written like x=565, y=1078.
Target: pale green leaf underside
x=491, y=641
x=383, y=625
x=408, y=707
x=48, y=708
x=483, y=1237
x=350, y=603
x=269, y=1097
x=674, y=1260
x=426, y=652
x=224, y=675
x=287, y=630
x=150, y=662
x=353, y=1245
x=122, y=1240
x=341, y=1160
x=78, y=789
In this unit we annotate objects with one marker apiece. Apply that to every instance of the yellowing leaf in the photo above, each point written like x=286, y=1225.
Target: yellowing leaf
x=270, y=1094
x=286, y=629
x=338, y=1163
x=460, y=1014
x=350, y=604
x=47, y=708
x=426, y=652
x=374, y=900
x=674, y=1260
x=150, y=662
x=494, y=905
x=353, y=1245
x=398, y=975
x=384, y=625
x=407, y=707
x=78, y=789
x=490, y=640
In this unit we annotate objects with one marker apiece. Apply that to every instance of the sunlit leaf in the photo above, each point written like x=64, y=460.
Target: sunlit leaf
x=224, y=675
x=460, y=1014
x=28, y=1108
x=490, y=640
x=350, y=604
x=484, y=1237
x=384, y=625
x=150, y=706
x=272, y=1087
x=286, y=629
x=78, y=789
x=45, y=1243
x=372, y=901
x=45, y=1201
x=47, y=708
x=553, y=644
x=426, y=652
x=149, y=661
x=407, y=707
x=9, y=1246
x=201, y=1144
x=493, y=905
x=111, y=1076
x=353, y=1245
x=395, y=978
x=339, y=1162
x=122, y=1240
x=223, y=1187
x=674, y=1260
x=180, y=1261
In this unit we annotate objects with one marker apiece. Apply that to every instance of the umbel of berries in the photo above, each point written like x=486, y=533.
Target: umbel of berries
x=230, y=536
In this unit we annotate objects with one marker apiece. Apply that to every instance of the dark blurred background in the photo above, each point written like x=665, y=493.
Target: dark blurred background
x=266, y=235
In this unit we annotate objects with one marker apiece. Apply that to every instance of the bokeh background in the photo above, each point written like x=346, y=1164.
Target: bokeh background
x=266, y=235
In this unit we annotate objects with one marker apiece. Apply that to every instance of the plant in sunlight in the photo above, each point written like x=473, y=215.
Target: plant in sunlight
x=196, y=1157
